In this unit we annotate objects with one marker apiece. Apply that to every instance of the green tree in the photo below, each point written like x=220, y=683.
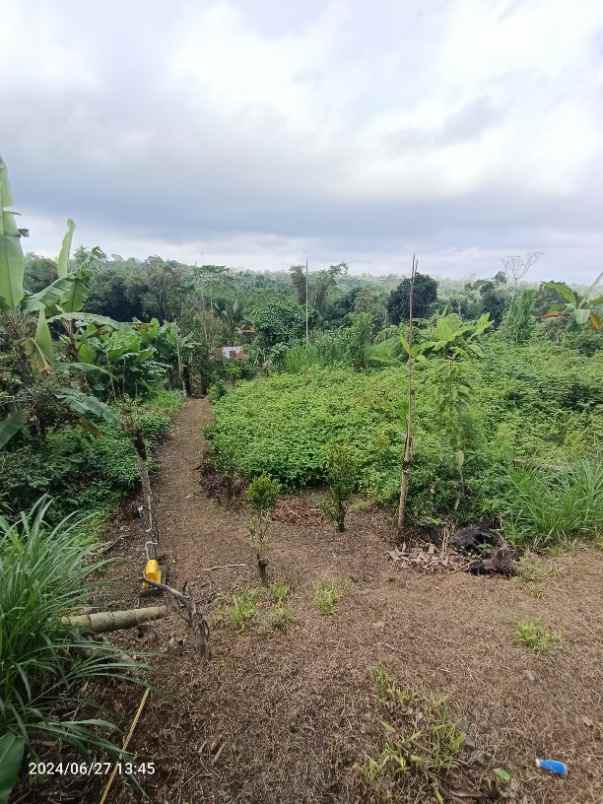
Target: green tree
x=425, y=295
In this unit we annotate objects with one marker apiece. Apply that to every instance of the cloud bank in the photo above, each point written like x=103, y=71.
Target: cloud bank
x=253, y=133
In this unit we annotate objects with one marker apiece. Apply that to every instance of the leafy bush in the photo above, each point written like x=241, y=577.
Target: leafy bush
x=262, y=493
x=243, y=609
x=79, y=468
x=281, y=617
x=341, y=471
x=45, y=572
x=538, y=403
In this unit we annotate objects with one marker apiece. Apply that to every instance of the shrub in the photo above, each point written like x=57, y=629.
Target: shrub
x=262, y=494
x=216, y=391
x=532, y=402
x=279, y=592
x=341, y=469
x=281, y=617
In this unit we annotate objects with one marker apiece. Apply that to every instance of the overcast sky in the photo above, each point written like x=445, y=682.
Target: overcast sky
x=254, y=132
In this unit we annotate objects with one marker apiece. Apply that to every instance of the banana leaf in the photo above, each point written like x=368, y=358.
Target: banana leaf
x=563, y=290
x=12, y=424
x=40, y=349
x=12, y=264
x=87, y=406
x=87, y=318
x=67, y=294
x=63, y=258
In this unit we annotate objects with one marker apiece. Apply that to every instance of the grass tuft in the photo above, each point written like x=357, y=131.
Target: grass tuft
x=46, y=573
x=281, y=617
x=421, y=744
x=243, y=608
x=536, y=636
x=279, y=592
x=327, y=596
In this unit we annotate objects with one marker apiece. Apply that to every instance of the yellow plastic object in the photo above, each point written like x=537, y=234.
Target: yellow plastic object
x=152, y=571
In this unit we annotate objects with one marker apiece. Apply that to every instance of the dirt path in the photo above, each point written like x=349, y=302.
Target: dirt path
x=280, y=717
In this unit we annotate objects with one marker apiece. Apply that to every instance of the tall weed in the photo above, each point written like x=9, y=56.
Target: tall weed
x=46, y=572
x=546, y=508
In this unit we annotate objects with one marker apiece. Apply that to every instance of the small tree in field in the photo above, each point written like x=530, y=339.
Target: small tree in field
x=342, y=477
x=262, y=494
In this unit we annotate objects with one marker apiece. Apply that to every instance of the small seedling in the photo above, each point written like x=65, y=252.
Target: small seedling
x=419, y=746
x=502, y=775
x=243, y=609
x=532, y=573
x=341, y=470
x=279, y=592
x=536, y=636
x=281, y=617
x=262, y=494
x=326, y=597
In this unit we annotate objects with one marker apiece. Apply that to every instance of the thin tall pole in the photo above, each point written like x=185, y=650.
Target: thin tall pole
x=307, y=302
x=409, y=437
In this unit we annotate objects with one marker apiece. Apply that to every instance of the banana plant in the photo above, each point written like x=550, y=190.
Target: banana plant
x=61, y=300
x=583, y=310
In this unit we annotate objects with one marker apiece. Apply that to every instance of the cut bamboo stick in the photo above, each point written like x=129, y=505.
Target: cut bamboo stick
x=114, y=620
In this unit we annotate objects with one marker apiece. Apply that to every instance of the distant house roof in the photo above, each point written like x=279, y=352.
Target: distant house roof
x=232, y=351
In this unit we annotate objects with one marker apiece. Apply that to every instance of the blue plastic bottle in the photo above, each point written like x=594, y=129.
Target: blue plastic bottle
x=553, y=766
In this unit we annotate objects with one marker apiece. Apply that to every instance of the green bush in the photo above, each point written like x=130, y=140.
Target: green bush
x=537, y=402
x=82, y=469
x=341, y=471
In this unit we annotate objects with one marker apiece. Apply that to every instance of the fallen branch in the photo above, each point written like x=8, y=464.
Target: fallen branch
x=187, y=607
x=114, y=620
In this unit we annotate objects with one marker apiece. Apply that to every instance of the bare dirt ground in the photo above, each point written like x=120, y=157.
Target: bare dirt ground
x=283, y=716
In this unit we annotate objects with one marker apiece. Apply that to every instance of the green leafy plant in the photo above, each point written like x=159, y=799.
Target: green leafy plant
x=46, y=572
x=281, y=617
x=327, y=595
x=262, y=493
x=536, y=636
x=341, y=470
x=582, y=310
x=279, y=591
x=243, y=609
x=421, y=744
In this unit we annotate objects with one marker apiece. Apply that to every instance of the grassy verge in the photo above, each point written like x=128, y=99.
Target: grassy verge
x=47, y=571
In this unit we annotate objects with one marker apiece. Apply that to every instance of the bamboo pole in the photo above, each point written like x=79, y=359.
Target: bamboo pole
x=114, y=620
x=408, y=440
x=125, y=745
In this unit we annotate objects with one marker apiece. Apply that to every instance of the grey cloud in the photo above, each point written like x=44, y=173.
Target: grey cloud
x=140, y=154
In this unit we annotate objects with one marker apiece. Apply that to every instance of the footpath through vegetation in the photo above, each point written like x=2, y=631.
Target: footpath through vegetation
x=303, y=675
